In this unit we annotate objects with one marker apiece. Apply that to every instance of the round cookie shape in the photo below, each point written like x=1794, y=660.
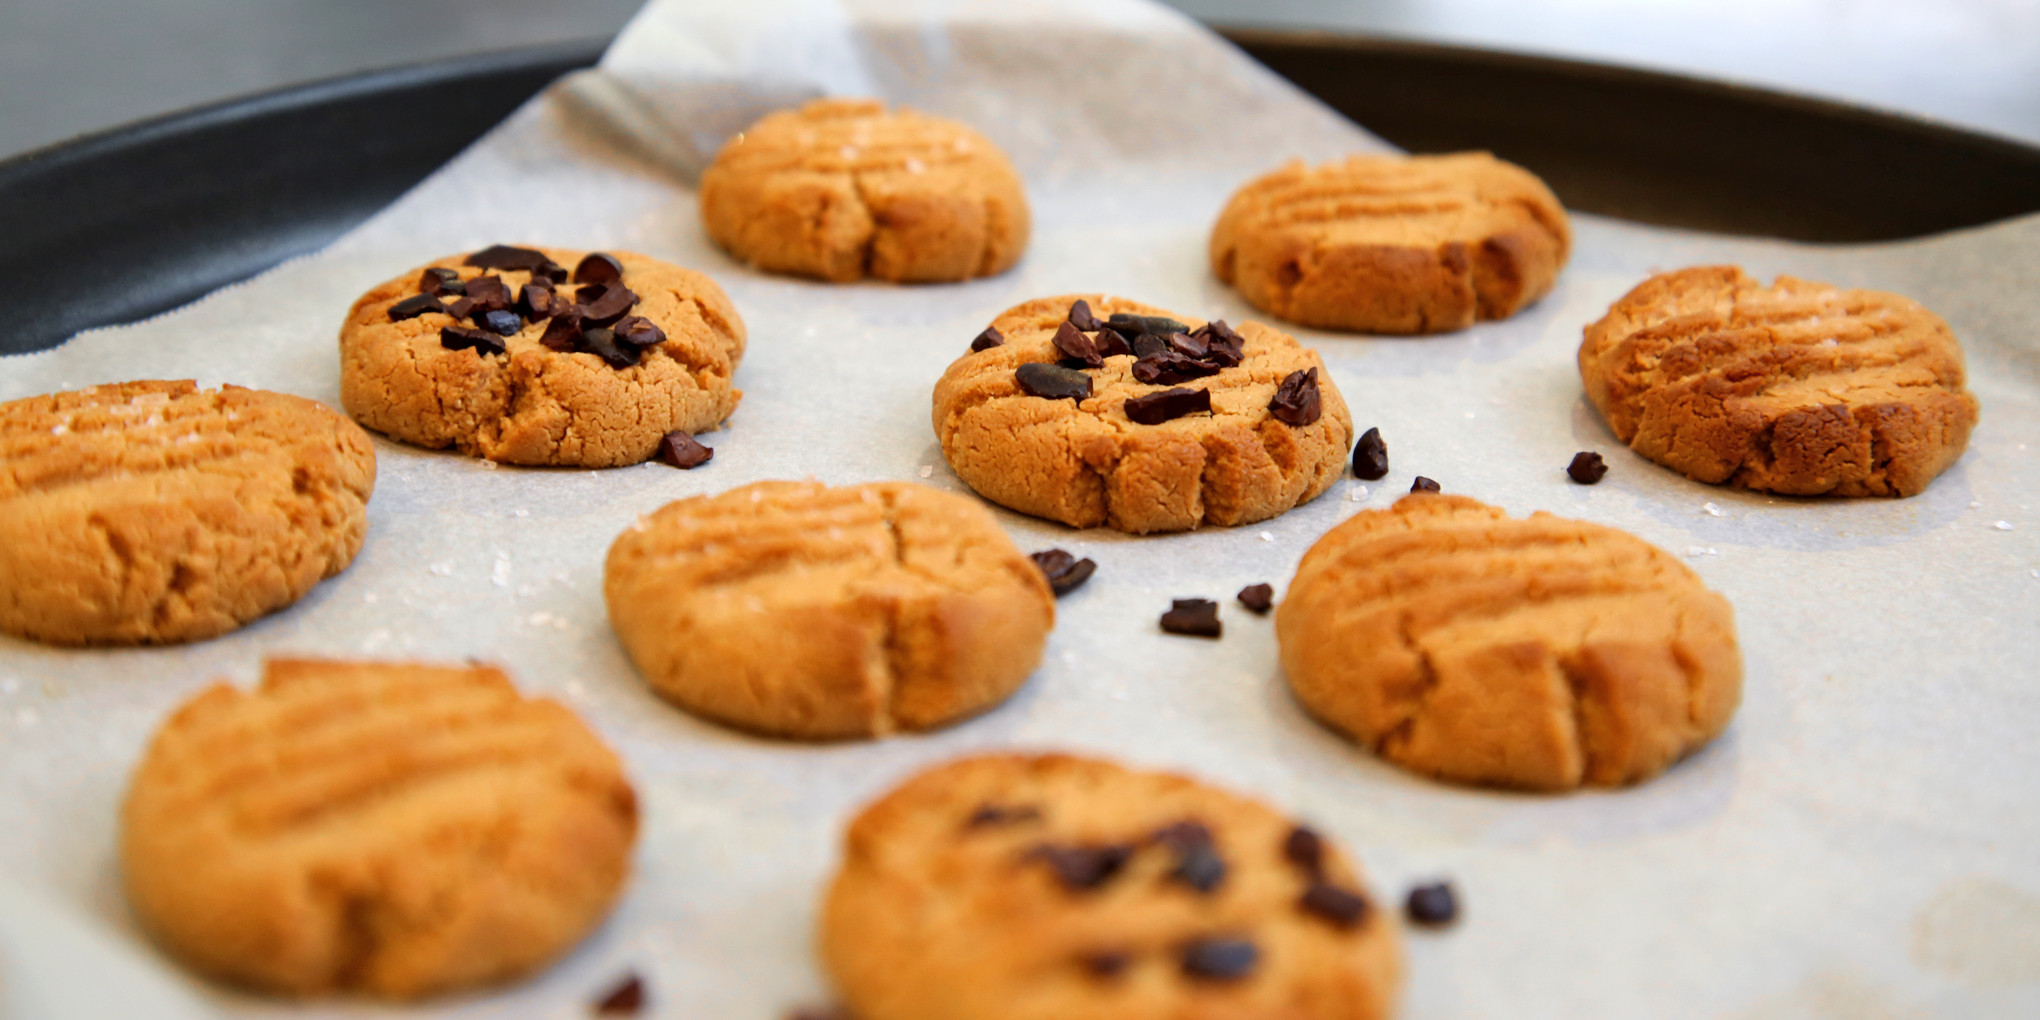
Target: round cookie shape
x=1393, y=244
x=386, y=829
x=1085, y=462
x=1797, y=388
x=799, y=610
x=155, y=512
x=1536, y=653
x=1015, y=887
x=842, y=189
x=564, y=403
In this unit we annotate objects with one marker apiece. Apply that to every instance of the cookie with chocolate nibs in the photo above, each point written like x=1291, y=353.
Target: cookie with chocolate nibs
x=1261, y=431
x=1586, y=468
x=585, y=374
x=1200, y=915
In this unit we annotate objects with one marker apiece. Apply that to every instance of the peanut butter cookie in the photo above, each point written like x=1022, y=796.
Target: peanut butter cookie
x=387, y=829
x=1093, y=411
x=841, y=189
x=156, y=512
x=1012, y=887
x=508, y=355
x=1799, y=388
x=1393, y=244
x=799, y=610
x=1539, y=653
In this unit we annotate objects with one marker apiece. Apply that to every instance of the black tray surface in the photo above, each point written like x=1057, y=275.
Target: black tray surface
x=119, y=226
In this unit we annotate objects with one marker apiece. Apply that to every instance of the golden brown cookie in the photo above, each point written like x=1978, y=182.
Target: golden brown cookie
x=387, y=829
x=1539, y=653
x=582, y=379
x=799, y=610
x=1798, y=387
x=841, y=189
x=1393, y=244
x=155, y=512
x=1052, y=887
x=1089, y=462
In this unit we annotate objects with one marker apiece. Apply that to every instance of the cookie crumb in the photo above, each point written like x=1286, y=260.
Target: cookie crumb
x=499, y=575
x=1702, y=550
x=444, y=569
x=1193, y=617
x=626, y=999
x=925, y=471
x=1258, y=598
x=1357, y=494
x=1267, y=536
x=1711, y=510
x=489, y=465
x=1434, y=905
x=2003, y=525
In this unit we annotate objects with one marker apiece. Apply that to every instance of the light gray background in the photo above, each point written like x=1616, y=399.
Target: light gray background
x=69, y=67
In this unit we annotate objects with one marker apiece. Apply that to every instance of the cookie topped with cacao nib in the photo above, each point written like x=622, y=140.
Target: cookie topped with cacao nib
x=1094, y=410
x=1052, y=886
x=542, y=355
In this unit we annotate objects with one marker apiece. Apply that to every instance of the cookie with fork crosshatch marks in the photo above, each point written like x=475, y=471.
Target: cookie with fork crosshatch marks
x=1538, y=653
x=843, y=189
x=156, y=512
x=1393, y=244
x=385, y=829
x=1797, y=388
x=800, y=610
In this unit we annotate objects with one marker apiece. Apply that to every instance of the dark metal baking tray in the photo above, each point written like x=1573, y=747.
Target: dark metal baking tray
x=119, y=226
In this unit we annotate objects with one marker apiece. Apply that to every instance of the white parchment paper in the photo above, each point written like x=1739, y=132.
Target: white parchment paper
x=1863, y=842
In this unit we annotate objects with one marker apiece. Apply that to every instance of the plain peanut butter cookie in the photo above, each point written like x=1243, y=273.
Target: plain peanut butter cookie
x=1052, y=887
x=799, y=610
x=1393, y=244
x=1799, y=388
x=383, y=829
x=157, y=512
x=1540, y=653
x=1093, y=411
x=841, y=189
x=510, y=355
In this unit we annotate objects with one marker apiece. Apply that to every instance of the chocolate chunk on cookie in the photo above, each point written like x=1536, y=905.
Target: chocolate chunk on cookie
x=385, y=829
x=1110, y=445
x=799, y=610
x=843, y=189
x=1393, y=244
x=1798, y=388
x=156, y=512
x=595, y=380
x=1199, y=914
x=1539, y=653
